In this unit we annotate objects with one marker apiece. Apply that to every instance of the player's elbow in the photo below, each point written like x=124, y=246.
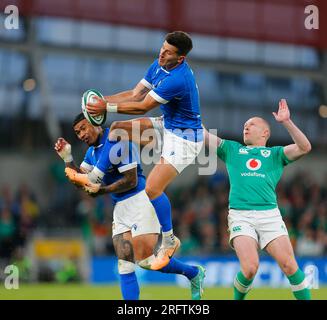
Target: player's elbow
x=137, y=96
x=132, y=183
x=306, y=148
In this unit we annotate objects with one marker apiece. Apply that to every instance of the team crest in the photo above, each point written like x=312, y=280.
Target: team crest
x=265, y=153
x=253, y=164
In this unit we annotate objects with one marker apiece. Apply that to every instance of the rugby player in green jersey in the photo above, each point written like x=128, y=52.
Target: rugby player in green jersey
x=254, y=219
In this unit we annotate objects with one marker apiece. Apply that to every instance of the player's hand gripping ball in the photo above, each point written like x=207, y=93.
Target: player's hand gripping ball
x=88, y=96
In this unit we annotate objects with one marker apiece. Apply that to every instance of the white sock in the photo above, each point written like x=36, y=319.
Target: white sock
x=168, y=238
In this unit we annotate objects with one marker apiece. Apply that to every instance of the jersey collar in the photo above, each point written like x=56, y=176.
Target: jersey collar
x=103, y=138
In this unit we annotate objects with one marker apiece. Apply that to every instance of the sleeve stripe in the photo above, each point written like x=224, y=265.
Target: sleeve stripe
x=146, y=84
x=157, y=97
x=86, y=166
x=127, y=167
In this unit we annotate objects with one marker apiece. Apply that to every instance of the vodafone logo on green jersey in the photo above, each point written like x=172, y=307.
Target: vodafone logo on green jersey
x=253, y=164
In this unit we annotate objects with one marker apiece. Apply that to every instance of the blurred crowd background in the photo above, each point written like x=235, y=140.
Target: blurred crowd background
x=247, y=56
x=199, y=213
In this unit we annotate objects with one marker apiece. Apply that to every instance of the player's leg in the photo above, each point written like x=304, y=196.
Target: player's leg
x=177, y=154
x=138, y=130
x=145, y=228
x=126, y=267
x=246, y=249
x=275, y=240
x=243, y=239
x=144, y=246
x=281, y=250
x=159, y=178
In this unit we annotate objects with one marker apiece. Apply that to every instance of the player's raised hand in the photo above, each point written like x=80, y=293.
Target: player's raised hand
x=97, y=107
x=64, y=150
x=283, y=113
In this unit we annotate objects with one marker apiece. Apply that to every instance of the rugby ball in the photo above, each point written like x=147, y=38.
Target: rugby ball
x=88, y=96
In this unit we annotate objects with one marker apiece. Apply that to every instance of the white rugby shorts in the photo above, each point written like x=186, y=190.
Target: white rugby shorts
x=179, y=152
x=135, y=214
x=261, y=225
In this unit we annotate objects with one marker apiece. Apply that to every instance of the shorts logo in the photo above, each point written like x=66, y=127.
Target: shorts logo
x=243, y=151
x=237, y=228
x=172, y=153
x=134, y=226
x=253, y=164
x=265, y=153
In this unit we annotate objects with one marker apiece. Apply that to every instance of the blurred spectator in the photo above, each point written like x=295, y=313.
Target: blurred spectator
x=308, y=244
x=28, y=213
x=23, y=263
x=7, y=233
x=190, y=243
x=95, y=221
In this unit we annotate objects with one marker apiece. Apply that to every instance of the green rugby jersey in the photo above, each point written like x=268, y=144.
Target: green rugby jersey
x=253, y=173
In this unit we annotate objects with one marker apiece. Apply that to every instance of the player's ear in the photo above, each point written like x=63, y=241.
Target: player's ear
x=181, y=59
x=266, y=133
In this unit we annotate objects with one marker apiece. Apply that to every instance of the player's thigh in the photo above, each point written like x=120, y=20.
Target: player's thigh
x=246, y=249
x=144, y=245
x=123, y=245
x=162, y=174
x=138, y=130
x=282, y=251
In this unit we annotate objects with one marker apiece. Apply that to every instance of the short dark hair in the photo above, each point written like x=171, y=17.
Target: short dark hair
x=181, y=40
x=78, y=119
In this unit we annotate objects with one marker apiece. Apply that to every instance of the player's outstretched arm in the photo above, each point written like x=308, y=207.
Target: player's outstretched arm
x=301, y=144
x=119, y=101
x=133, y=107
x=137, y=94
x=211, y=140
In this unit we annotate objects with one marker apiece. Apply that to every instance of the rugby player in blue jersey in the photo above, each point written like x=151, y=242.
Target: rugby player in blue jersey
x=135, y=224
x=169, y=83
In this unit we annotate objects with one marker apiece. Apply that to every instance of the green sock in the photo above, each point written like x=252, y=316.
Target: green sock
x=298, y=285
x=242, y=286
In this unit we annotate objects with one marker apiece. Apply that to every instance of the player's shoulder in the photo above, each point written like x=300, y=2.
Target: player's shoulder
x=89, y=152
x=232, y=143
x=230, y=146
x=275, y=149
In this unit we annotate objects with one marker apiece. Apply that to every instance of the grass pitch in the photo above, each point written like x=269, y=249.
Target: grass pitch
x=148, y=292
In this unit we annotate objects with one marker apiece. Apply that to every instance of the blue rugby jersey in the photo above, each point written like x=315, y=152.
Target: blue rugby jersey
x=123, y=156
x=178, y=94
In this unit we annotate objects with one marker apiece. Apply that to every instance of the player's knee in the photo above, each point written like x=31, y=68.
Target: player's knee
x=153, y=191
x=125, y=267
x=288, y=266
x=250, y=270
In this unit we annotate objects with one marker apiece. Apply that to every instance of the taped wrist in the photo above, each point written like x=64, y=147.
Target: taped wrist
x=111, y=107
x=68, y=158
